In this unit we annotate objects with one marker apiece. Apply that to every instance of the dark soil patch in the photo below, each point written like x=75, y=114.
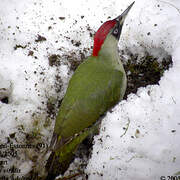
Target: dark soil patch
x=19, y=46
x=147, y=71
x=40, y=38
x=54, y=60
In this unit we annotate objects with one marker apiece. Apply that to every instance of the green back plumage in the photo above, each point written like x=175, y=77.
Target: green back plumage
x=97, y=84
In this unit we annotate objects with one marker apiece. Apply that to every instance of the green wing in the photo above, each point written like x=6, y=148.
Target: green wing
x=92, y=90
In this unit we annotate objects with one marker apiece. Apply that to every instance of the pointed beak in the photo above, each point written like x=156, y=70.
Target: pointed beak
x=122, y=17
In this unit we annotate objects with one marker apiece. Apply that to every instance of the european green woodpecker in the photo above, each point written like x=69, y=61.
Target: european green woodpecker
x=97, y=85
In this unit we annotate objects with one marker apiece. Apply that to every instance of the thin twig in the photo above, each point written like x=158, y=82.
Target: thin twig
x=126, y=128
x=70, y=176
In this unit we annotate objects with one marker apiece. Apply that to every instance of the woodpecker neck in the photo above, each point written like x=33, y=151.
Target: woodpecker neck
x=109, y=53
x=109, y=46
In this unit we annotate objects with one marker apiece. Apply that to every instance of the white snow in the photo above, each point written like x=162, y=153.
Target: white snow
x=149, y=148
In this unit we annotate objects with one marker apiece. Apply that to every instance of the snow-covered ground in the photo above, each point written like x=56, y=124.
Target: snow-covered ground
x=140, y=138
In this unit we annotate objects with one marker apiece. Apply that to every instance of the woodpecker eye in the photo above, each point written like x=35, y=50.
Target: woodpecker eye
x=116, y=31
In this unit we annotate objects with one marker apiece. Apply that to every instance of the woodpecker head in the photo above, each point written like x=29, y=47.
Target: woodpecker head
x=109, y=28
